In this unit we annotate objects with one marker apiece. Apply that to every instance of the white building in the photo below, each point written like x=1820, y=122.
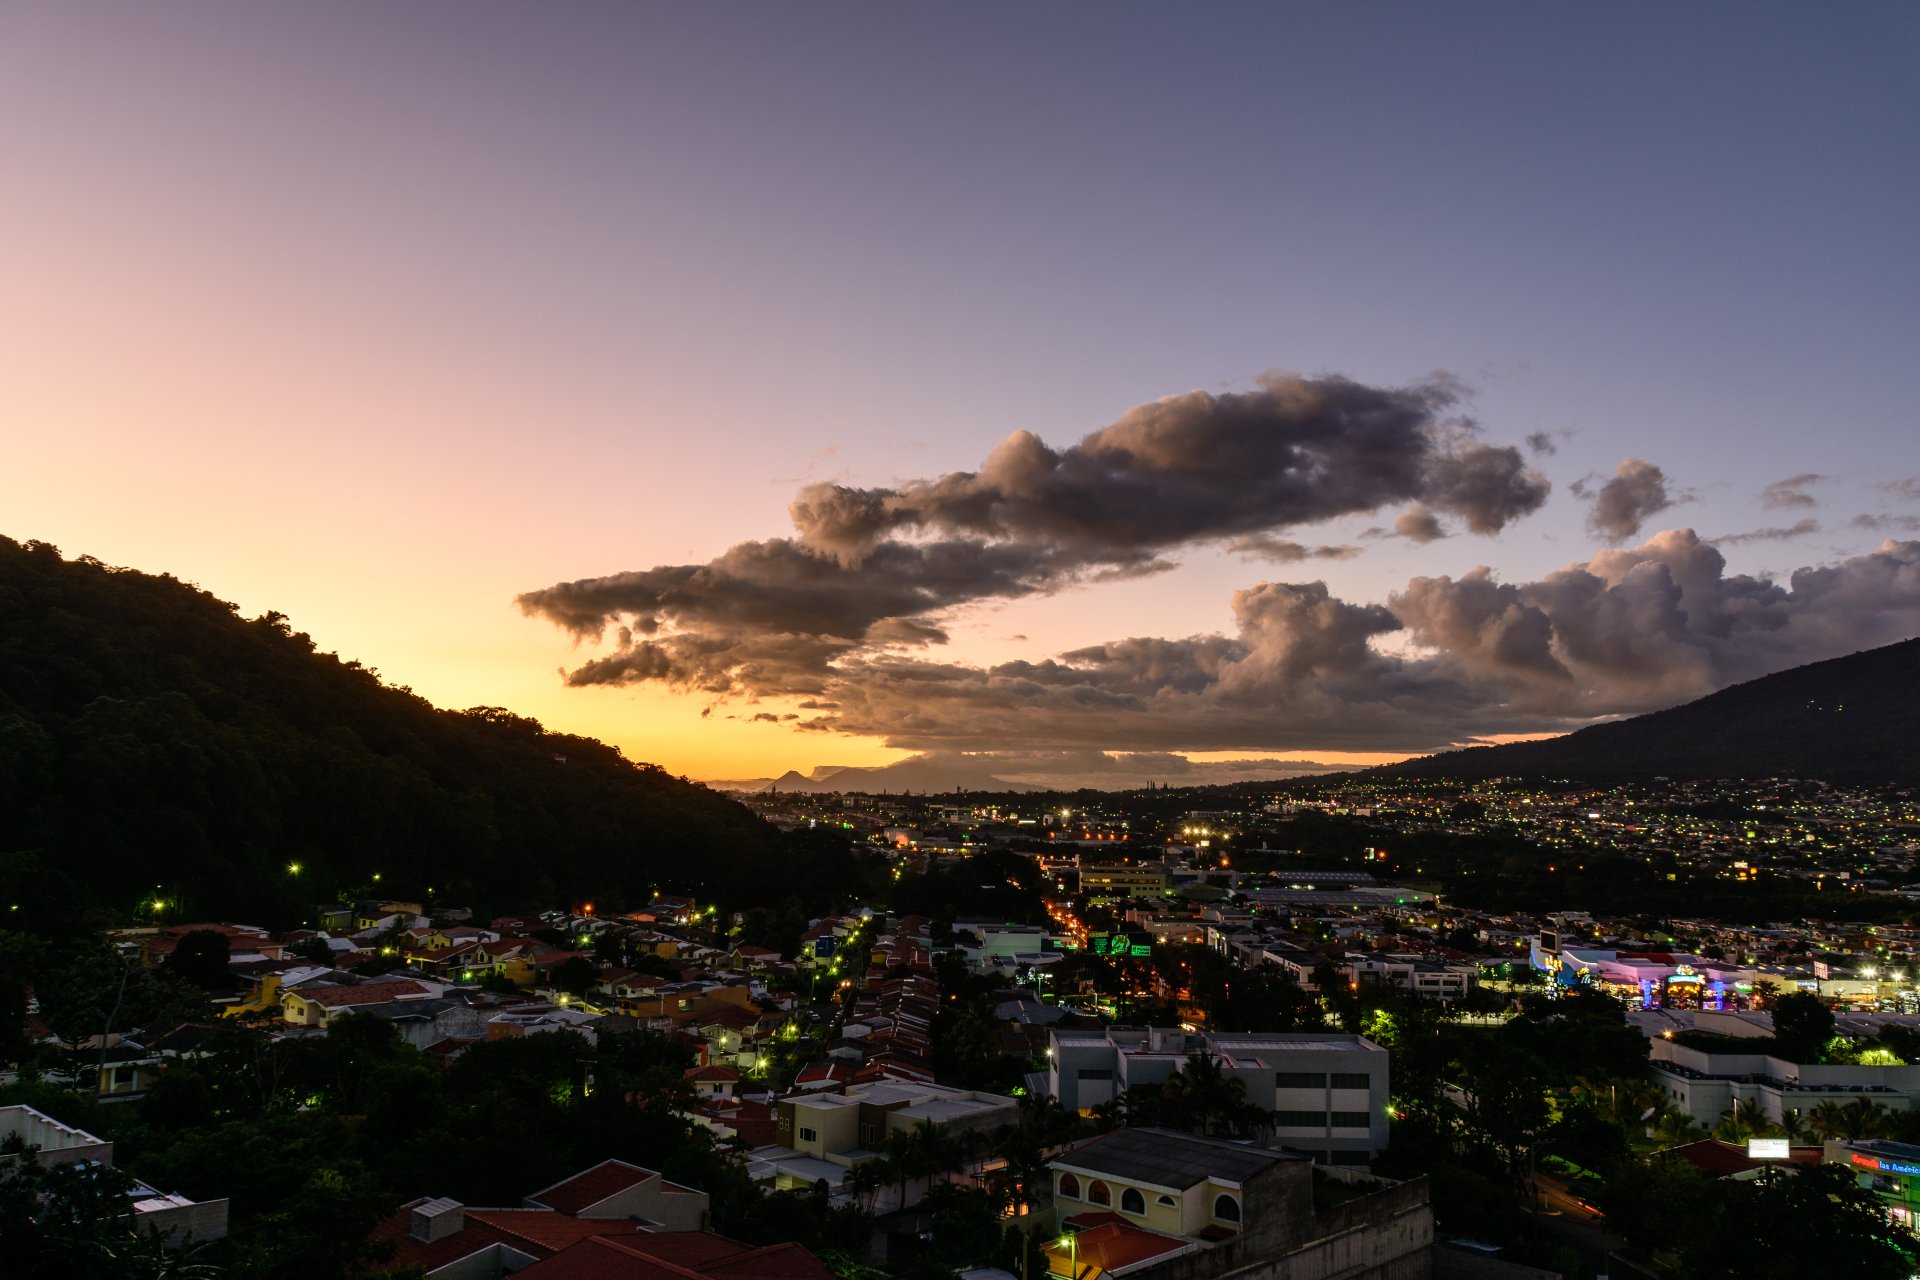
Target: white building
x=1326, y=1092
x=1706, y=1085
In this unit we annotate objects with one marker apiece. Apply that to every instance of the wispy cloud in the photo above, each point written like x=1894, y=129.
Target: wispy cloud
x=1791, y=492
x=1798, y=529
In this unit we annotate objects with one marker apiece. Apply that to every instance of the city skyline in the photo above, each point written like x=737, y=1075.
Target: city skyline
x=389, y=321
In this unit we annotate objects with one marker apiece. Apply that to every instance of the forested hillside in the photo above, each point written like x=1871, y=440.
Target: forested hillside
x=156, y=746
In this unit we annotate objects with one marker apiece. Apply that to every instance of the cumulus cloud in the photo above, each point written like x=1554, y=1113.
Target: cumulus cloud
x=1791, y=492
x=1198, y=467
x=1627, y=631
x=1774, y=533
x=1635, y=493
x=1417, y=524
x=846, y=620
x=871, y=570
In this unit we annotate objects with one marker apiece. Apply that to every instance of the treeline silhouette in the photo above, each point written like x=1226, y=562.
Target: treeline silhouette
x=157, y=747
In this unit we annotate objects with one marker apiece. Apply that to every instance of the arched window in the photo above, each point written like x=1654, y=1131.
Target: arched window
x=1227, y=1209
x=1170, y=1202
x=1069, y=1187
x=1131, y=1201
x=1099, y=1193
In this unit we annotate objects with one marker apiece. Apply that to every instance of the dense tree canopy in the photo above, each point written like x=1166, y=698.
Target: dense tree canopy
x=162, y=757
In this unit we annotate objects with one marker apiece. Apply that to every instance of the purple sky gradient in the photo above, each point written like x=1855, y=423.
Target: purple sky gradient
x=380, y=315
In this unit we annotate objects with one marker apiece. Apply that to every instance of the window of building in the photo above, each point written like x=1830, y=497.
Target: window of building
x=1169, y=1201
x=1352, y=1080
x=1131, y=1201
x=1226, y=1208
x=1300, y=1119
x=1069, y=1187
x=808, y=1135
x=1299, y=1079
x=1099, y=1193
x=1096, y=1073
x=1350, y=1120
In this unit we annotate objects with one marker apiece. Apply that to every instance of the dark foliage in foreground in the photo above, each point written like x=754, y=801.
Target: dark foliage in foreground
x=156, y=745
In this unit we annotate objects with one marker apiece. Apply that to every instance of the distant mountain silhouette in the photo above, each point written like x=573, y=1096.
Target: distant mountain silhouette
x=1849, y=719
x=920, y=774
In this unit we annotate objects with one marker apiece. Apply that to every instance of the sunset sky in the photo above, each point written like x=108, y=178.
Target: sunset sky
x=469, y=334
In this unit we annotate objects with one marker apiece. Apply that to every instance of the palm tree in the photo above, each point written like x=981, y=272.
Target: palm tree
x=1862, y=1118
x=866, y=1178
x=1826, y=1119
x=939, y=1151
x=1203, y=1093
x=1741, y=1121
x=1676, y=1128
x=902, y=1148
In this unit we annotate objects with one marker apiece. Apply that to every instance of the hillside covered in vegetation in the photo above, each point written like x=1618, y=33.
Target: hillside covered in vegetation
x=155, y=746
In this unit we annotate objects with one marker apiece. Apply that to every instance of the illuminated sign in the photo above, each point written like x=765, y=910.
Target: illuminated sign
x=1885, y=1166
x=1767, y=1149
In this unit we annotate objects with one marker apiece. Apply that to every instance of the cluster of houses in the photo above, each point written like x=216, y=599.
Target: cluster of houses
x=1163, y=1205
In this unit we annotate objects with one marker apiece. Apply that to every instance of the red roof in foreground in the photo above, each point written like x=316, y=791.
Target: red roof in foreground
x=540, y=1232
x=1111, y=1246
x=584, y=1190
x=651, y=1257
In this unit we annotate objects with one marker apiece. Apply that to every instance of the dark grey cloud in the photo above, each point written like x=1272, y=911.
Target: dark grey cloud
x=1791, y=492
x=1636, y=492
x=1542, y=443
x=1630, y=630
x=1417, y=524
x=1775, y=533
x=1907, y=488
x=771, y=617
x=873, y=570
x=1886, y=523
x=1264, y=546
x=1199, y=467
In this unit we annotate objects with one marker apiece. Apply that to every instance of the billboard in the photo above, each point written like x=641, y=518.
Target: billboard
x=824, y=947
x=1767, y=1149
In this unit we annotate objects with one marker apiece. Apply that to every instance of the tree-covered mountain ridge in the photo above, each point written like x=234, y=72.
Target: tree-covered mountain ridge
x=156, y=746
x=1849, y=719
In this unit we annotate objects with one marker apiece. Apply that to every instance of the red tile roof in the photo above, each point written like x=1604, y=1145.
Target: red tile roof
x=539, y=1232
x=658, y=1257
x=584, y=1190
x=1112, y=1246
x=548, y=1231
x=704, y=1075
x=365, y=993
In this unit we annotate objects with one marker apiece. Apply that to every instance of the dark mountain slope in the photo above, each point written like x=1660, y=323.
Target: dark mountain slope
x=1855, y=718
x=154, y=744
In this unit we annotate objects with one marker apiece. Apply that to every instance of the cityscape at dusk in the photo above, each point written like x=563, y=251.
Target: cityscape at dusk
x=915, y=641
